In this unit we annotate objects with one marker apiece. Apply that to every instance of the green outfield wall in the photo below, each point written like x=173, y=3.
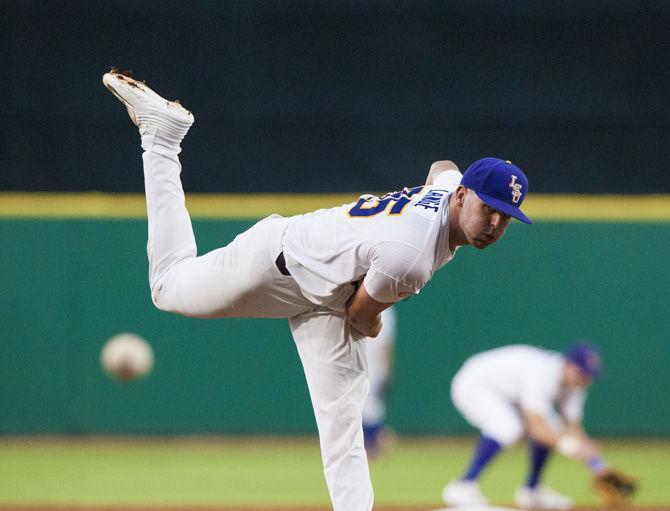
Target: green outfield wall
x=69, y=282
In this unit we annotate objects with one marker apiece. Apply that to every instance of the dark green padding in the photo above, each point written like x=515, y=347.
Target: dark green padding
x=68, y=285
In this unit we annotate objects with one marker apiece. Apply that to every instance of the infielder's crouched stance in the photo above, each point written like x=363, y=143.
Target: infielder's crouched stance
x=522, y=391
x=330, y=272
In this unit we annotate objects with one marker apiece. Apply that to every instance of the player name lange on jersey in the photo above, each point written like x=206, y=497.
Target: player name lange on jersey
x=431, y=201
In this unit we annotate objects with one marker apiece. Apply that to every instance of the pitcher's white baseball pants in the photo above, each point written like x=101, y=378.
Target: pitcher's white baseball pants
x=242, y=280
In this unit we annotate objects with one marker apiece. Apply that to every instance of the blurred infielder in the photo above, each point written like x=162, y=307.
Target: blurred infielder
x=330, y=272
x=515, y=390
x=380, y=354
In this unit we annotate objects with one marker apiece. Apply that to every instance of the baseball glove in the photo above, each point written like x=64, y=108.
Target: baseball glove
x=614, y=487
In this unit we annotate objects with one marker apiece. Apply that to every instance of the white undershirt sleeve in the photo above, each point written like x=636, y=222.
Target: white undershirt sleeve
x=449, y=180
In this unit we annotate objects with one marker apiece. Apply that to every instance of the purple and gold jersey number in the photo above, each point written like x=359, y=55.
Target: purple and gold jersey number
x=392, y=203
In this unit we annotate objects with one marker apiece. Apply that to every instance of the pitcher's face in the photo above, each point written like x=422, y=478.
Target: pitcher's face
x=481, y=224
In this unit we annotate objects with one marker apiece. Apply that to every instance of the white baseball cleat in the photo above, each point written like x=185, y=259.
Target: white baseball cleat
x=148, y=111
x=463, y=493
x=541, y=497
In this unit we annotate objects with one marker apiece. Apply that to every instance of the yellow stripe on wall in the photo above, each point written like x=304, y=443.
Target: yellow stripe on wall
x=618, y=208
x=102, y=205
x=556, y=207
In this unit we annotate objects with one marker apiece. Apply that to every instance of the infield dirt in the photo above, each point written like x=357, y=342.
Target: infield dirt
x=53, y=507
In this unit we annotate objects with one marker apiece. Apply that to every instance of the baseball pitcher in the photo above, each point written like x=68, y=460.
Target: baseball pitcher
x=330, y=272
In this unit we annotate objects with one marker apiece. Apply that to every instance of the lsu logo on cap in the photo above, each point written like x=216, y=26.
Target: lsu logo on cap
x=516, y=189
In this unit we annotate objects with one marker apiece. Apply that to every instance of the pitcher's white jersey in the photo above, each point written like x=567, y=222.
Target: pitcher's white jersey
x=523, y=375
x=395, y=243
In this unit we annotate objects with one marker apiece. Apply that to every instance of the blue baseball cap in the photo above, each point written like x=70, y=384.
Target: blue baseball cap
x=586, y=357
x=498, y=183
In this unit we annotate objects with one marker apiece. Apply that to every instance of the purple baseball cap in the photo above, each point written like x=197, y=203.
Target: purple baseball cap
x=586, y=357
x=498, y=183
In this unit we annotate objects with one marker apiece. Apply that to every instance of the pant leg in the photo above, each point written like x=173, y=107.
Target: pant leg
x=335, y=370
x=487, y=410
x=170, y=234
x=239, y=280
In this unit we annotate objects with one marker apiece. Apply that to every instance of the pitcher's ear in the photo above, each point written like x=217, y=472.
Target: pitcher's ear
x=460, y=194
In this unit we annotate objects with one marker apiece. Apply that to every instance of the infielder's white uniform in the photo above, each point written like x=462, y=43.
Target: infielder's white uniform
x=379, y=352
x=492, y=387
x=394, y=243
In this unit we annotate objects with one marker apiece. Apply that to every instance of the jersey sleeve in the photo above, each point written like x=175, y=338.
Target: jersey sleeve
x=449, y=180
x=537, y=394
x=572, y=407
x=393, y=273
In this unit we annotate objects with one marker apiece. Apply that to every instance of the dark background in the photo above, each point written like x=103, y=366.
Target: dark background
x=322, y=96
